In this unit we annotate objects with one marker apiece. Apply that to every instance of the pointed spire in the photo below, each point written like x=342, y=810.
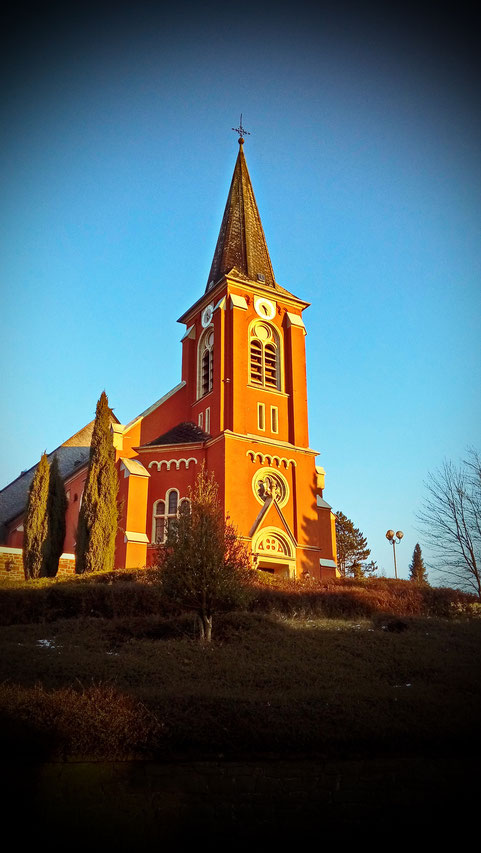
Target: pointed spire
x=241, y=245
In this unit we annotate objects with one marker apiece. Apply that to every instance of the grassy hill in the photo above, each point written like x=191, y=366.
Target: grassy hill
x=103, y=668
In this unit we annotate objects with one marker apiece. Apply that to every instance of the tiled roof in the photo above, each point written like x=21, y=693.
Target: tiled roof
x=13, y=498
x=72, y=455
x=184, y=433
x=241, y=244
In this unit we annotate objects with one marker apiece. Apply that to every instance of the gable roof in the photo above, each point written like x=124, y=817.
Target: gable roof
x=72, y=455
x=184, y=433
x=261, y=517
x=13, y=498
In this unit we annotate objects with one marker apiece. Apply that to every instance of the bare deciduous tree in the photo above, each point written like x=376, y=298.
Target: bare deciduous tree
x=205, y=567
x=451, y=521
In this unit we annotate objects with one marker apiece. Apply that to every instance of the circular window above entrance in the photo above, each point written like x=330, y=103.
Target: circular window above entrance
x=267, y=482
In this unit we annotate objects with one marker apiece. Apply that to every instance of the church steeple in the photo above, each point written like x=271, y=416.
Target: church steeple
x=241, y=245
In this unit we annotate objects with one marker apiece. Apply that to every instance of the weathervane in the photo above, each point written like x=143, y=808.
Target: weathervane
x=241, y=131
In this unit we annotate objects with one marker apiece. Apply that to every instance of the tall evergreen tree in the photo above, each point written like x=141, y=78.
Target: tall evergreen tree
x=98, y=517
x=417, y=569
x=365, y=570
x=352, y=548
x=35, y=525
x=56, y=508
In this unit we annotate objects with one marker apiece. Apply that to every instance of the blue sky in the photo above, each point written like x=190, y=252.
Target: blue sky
x=364, y=156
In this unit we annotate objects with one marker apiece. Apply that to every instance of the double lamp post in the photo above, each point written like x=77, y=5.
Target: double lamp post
x=394, y=539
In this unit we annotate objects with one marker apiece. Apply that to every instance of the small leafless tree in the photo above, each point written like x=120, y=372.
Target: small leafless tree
x=205, y=566
x=451, y=521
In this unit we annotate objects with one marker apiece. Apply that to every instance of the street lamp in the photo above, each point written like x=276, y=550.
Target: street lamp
x=394, y=539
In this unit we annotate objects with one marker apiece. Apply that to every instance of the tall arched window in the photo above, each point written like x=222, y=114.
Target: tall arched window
x=159, y=522
x=184, y=506
x=161, y=517
x=264, y=356
x=205, y=367
x=173, y=501
x=172, y=507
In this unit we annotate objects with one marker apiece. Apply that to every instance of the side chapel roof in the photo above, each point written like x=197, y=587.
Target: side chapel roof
x=184, y=433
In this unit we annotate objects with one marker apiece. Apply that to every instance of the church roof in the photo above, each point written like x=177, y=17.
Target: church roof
x=241, y=246
x=184, y=433
x=13, y=498
x=72, y=455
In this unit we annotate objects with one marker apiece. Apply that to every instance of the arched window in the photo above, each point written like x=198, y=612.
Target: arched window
x=205, y=368
x=173, y=501
x=264, y=356
x=158, y=522
x=184, y=506
x=164, y=512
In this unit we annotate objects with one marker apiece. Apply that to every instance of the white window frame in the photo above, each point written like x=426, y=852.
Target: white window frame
x=166, y=515
x=261, y=416
x=157, y=515
x=275, y=419
x=273, y=341
x=202, y=348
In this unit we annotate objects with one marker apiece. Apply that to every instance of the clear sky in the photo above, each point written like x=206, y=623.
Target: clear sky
x=364, y=157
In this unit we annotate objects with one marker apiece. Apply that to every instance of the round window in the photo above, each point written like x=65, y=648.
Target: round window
x=268, y=482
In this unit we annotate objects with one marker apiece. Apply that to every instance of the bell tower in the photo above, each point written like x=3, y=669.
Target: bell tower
x=240, y=409
x=244, y=366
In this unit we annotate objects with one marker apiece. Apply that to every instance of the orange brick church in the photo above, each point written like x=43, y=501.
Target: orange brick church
x=240, y=408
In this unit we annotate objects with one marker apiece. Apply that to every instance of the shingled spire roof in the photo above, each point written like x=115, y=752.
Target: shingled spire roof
x=241, y=245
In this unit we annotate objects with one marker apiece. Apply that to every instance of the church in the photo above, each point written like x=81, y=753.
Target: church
x=240, y=409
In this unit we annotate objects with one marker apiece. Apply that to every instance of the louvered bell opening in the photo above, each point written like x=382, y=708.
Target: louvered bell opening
x=270, y=356
x=256, y=362
x=211, y=370
x=206, y=372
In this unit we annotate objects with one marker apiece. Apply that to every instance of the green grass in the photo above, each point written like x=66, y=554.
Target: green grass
x=142, y=686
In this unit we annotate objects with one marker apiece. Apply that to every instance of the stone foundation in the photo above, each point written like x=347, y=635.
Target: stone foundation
x=11, y=564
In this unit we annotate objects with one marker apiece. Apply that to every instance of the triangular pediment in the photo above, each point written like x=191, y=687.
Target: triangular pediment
x=271, y=514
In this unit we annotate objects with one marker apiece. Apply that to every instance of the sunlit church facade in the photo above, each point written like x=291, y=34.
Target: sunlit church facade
x=240, y=409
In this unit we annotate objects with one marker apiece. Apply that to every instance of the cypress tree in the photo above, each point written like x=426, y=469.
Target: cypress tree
x=35, y=536
x=417, y=569
x=98, y=517
x=56, y=508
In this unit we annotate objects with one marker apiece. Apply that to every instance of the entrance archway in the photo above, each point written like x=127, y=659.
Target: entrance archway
x=273, y=552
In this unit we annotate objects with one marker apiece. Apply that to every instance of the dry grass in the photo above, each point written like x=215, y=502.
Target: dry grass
x=123, y=594
x=348, y=598
x=73, y=722
x=102, y=666
x=143, y=685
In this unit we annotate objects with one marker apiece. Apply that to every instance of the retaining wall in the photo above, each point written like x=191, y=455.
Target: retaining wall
x=11, y=564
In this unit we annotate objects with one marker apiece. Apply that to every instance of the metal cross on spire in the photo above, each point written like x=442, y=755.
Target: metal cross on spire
x=241, y=131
